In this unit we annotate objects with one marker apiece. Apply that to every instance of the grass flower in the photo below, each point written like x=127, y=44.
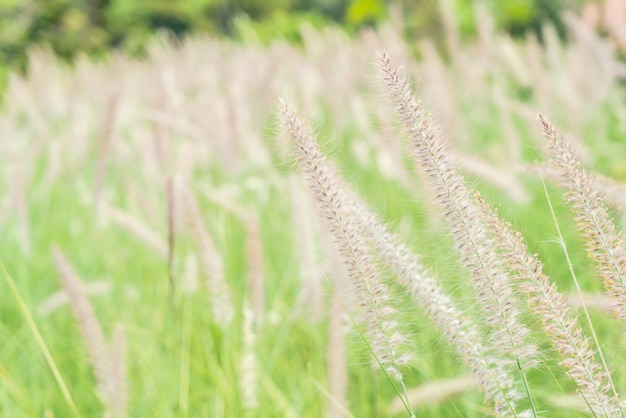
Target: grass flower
x=488, y=275
x=369, y=295
x=605, y=245
x=551, y=308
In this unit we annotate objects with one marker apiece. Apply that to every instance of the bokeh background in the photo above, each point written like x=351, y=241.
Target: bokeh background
x=142, y=163
x=94, y=27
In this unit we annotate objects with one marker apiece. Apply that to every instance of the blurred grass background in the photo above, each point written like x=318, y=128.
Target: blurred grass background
x=94, y=27
x=133, y=94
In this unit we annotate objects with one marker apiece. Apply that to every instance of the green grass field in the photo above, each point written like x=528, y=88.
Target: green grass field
x=172, y=193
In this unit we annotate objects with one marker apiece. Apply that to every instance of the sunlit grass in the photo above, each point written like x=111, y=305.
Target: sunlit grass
x=204, y=115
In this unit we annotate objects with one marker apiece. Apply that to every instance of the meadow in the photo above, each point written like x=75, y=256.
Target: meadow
x=178, y=241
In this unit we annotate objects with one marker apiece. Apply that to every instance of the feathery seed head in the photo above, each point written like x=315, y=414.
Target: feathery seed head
x=365, y=285
x=605, y=246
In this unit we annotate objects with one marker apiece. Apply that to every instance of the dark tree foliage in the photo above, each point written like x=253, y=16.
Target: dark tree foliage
x=95, y=26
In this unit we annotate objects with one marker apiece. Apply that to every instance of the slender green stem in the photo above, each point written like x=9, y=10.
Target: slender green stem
x=580, y=294
x=40, y=341
x=402, y=393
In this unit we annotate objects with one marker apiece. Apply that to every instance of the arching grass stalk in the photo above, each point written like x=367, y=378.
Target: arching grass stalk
x=477, y=353
x=368, y=294
x=605, y=245
x=584, y=307
x=488, y=274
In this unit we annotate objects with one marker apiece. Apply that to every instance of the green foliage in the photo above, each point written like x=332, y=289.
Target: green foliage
x=363, y=12
x=94, y=26
x=278, y=26
x=520, y=16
